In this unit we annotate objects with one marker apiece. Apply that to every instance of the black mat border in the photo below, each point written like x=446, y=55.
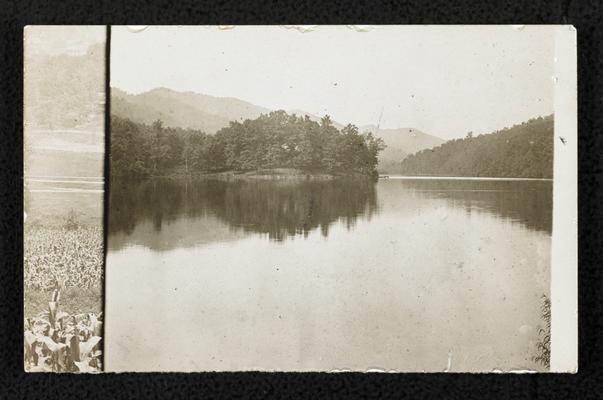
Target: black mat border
x=586, y=16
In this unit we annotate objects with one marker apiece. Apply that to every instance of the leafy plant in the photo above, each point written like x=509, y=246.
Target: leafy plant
x=543, y=346
x=55, y=341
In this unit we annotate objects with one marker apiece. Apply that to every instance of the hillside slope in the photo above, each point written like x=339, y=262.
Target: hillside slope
x=522, y=151
x=64, y=91
x=182, y=109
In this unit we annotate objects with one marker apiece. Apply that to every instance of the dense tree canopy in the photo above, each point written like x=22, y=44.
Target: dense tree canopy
x=522, y=151
x=274, y=140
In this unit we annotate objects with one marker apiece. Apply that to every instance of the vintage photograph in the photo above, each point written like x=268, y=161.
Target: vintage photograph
x=64, y=145
x=300, y=198
x=330, y=198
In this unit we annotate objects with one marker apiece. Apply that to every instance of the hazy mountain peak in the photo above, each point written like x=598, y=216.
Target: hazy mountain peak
x=163, y=89
x=400, y=142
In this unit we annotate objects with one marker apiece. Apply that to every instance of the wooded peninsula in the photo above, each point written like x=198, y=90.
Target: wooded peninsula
x=271, y=141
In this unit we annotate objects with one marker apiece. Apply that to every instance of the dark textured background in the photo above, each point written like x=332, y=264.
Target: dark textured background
x=586, y=16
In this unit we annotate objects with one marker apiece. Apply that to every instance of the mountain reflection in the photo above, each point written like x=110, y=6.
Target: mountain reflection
x=276, y=208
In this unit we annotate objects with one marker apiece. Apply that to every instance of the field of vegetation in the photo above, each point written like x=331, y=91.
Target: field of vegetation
x=68, y=258
x=63, y=277
x=271, y=141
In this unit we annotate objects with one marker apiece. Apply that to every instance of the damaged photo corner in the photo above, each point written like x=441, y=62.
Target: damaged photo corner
x=300, y=198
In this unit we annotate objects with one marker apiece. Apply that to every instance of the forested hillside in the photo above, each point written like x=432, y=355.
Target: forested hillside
x=522, y=151
x=274, y=140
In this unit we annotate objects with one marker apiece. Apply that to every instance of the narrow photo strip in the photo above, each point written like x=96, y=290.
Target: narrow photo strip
x=63, y=184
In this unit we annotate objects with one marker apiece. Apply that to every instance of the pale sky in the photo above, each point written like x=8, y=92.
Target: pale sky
x=62, y=39
x=442, y=80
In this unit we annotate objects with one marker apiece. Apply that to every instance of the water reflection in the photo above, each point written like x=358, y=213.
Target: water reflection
x=169, y=213
x=275, y=208
x=398, y=274
x=527, y=202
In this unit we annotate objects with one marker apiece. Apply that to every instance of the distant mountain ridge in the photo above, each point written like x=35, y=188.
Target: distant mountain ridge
x=210, y=114
x=401, y=143
x=182, y=109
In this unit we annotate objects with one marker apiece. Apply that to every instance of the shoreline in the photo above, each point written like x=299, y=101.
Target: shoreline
x=297, y=175
x=263, y=174
x=461, y=178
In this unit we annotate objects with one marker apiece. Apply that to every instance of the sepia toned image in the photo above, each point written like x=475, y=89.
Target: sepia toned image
x=336, y=198
x=300, y=198
x=64, y=144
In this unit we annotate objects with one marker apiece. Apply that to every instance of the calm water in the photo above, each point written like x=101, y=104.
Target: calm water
x=406, y=275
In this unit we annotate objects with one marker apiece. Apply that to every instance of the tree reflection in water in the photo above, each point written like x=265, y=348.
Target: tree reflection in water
x=205, y=211
x=276, y=208
x=529, y=202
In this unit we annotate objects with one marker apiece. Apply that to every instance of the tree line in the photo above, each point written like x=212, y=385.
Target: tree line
x=274, y=140
x=522, y=151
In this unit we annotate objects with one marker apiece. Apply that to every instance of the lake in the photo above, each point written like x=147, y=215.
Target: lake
x=399, y=274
